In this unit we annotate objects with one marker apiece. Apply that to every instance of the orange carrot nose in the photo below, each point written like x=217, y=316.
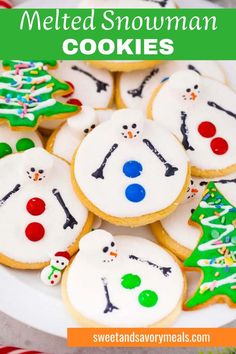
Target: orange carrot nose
x=36, y=177
x=130, y=134
x=194, y=190
x=114, y=254
x=193, y=96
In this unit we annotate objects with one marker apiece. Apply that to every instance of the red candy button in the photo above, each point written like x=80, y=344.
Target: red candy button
x=74, y=101
x=73, y=88
x=35, y=206
x=207, y=129
x=34, y=231
x=219, y=146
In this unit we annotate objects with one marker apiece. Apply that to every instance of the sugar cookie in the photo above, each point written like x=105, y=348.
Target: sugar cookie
x=130, y=171
x=215, y=254
x=201, y=112
x=123, y=281
x=174, y=232
x=27, y=93
x=39, y=211
x=65, y=140
x=134, y=89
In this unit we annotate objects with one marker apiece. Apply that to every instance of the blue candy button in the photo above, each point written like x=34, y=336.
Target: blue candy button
x=135, y=193
x=132, y=169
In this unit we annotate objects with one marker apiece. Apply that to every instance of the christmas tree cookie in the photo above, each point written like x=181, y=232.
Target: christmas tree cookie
x=27, y=94
x=215, y=254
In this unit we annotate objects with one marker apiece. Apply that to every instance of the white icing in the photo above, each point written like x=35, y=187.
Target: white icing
x=74, y=130
x=176, y=224
x=136, y=88
x=11, y=137
x=172, y=99
x=217, y=283
x=95, y=91
x=14, y=217
x=85, y=287
x=125, y=4
x=108, y=194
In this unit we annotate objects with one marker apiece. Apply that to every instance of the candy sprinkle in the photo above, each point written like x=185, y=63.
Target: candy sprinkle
x=217, y=274
x=201, y=217
x=233, y=287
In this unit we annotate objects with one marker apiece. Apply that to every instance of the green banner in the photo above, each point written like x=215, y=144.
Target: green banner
x=118, y=34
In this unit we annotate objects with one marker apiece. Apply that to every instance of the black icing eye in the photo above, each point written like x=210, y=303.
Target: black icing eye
x=105, y=249
x=125, y=126
x=32, y=169
x=112, y=244
x=57, y=261
x=62, y=263
x=41, y=171
x=191, y=182
x=86, y=131
x=196, y=87
x=134, y=126
x=188, y=90
x=93, y=126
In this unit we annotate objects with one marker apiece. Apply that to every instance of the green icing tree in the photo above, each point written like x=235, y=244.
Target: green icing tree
x=27, y=93
x=215, y=254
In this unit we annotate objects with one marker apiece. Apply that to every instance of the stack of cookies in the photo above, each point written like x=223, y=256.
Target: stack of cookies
x=133, y=143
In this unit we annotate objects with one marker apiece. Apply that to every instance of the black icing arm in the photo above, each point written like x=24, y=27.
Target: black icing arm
x=109, y=306
x=99, y=172
x=9, y=194
x=170, y=170
x=137, y=92
x=166, y=271
x=215, y=105
x=184, y=131
x=101, y=85
x=70, y=220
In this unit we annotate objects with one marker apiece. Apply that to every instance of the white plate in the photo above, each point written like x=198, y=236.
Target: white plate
x=25, y=298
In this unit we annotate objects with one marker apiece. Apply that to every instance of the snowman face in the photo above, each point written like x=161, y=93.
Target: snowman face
x=109, y=252
x=192, y=191
x=83, y=123
x=186, y=85
x=35, y=174
x=128, y=123
x=59, y=262
x=99, y=246
x=36, y=165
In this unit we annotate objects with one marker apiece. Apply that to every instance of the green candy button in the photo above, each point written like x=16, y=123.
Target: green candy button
x=148, y=298
x=5, y=149
x=24, y=144
x=130, y=281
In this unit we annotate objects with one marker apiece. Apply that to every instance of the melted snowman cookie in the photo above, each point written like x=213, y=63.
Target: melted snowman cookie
x=17, y=141
x=39, y=212
x=123, y=281
x=201, y=112
x=64, y=141
x=174, y=232
x=130, y=171
x=134, y=89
